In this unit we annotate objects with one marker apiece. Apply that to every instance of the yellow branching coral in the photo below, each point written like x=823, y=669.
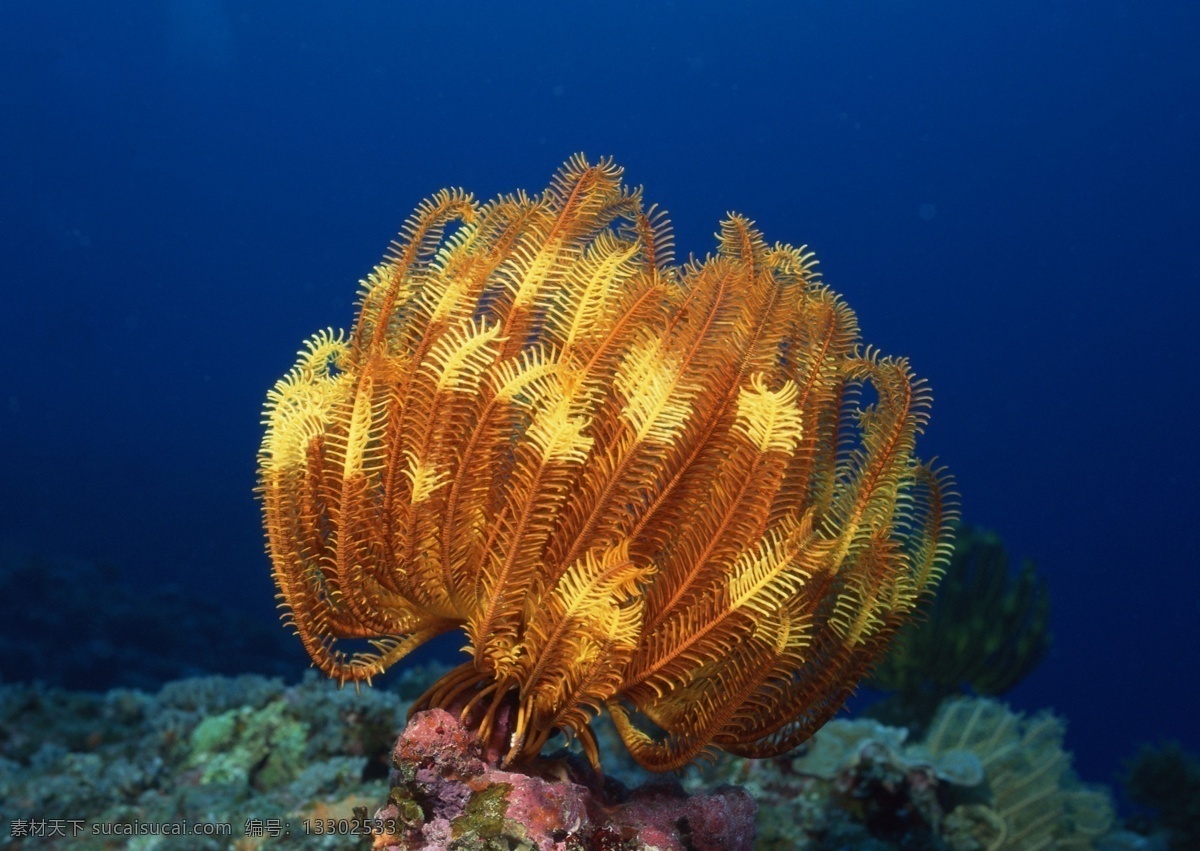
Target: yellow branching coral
x=685, y=495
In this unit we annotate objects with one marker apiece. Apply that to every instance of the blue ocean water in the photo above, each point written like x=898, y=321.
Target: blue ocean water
x=1008, y=193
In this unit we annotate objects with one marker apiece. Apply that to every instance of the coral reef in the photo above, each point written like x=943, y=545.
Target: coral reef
x=983, y=632
x=313, y=766
x=983, y=778
x=303, y=767
x=90, y=771
x=1033, y=799
x=684, y=495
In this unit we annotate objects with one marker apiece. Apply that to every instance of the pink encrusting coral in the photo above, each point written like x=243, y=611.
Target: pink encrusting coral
x=447, y=789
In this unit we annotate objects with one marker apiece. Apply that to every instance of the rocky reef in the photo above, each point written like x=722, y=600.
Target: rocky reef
x=249, y=762
x=448, y=791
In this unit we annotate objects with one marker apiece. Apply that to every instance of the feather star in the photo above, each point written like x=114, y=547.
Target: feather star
x=684, y=495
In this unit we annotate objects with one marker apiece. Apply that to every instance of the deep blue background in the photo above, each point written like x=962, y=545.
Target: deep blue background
x=1006, y=192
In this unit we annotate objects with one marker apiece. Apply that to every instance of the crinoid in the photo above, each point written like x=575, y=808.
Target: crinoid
x=686, y=495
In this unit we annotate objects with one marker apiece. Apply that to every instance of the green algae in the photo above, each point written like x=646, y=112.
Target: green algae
x=484, y=813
